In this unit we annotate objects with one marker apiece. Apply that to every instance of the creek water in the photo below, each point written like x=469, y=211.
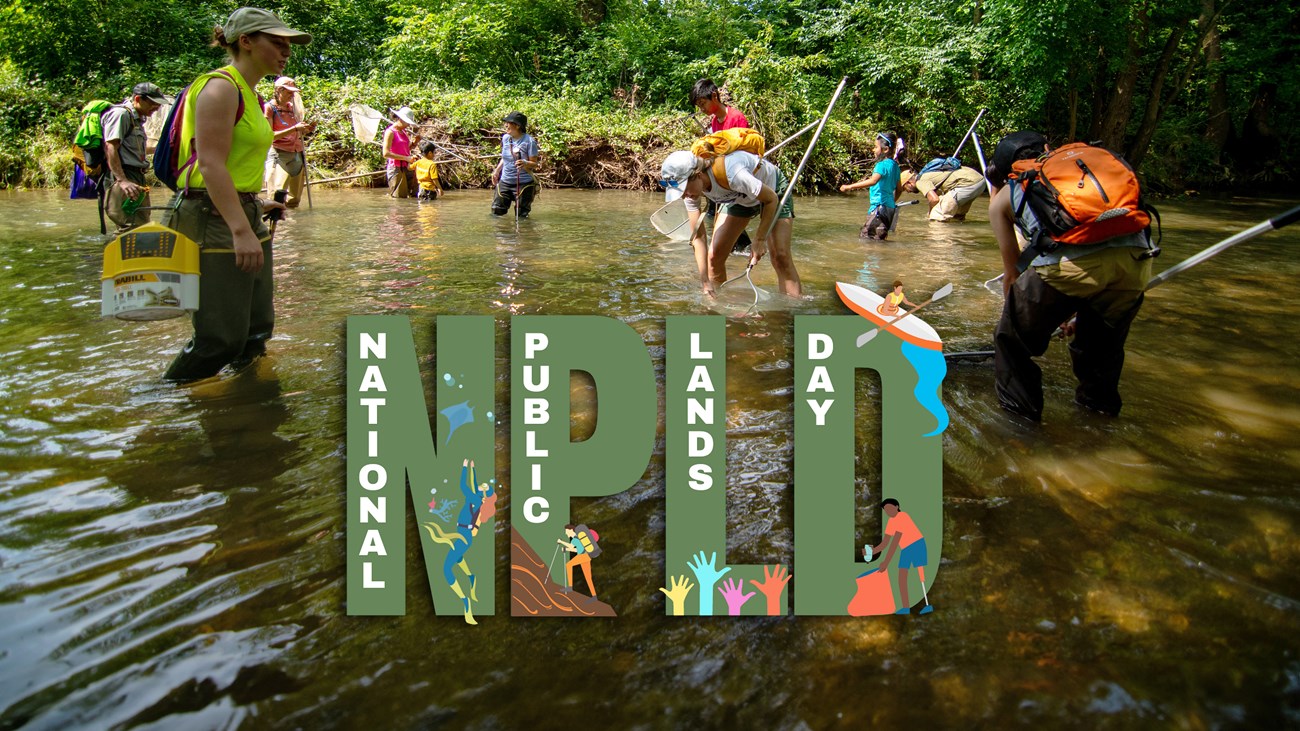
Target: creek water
x=174, y=557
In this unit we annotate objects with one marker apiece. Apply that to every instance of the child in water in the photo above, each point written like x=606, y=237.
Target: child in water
x=884, y=182
x=426, y=172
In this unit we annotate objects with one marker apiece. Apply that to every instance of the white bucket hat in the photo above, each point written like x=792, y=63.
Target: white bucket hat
x=405, y=115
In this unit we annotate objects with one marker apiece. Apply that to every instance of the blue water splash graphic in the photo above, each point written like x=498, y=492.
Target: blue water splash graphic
x=931, y=367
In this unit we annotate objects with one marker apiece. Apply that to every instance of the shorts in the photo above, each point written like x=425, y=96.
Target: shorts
x=913, y=555
x=742, y=211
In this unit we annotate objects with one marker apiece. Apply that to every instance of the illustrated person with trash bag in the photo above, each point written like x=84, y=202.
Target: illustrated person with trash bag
x=904, y=538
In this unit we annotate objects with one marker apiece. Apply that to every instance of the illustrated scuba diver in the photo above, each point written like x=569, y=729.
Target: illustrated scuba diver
x=480, y=506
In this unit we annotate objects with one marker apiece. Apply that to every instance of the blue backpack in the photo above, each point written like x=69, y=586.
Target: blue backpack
x=941, y=165
x=167, y=165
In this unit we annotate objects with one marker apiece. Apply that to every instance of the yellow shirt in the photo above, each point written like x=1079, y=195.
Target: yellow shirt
x=249, y=141
x=427, y=173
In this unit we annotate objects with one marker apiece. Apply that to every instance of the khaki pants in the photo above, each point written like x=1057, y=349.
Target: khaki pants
x=1105, y=290
x=400, y=182
x=114, y=199
x=954, y=204
x=236, y=313
x=282, y=179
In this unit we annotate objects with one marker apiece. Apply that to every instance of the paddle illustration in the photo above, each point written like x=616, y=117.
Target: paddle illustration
x=939, y=294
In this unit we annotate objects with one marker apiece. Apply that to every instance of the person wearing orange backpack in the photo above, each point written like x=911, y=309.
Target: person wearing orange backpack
x=1100, y=280
x=217, y=205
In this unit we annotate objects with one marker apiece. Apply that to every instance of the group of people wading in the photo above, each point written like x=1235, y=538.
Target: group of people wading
x=1084, y=276
x=1097, y=286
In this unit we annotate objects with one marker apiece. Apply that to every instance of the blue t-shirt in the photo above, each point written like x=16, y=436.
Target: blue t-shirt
x=526, y=147
x=577, y=545
x=882, y=193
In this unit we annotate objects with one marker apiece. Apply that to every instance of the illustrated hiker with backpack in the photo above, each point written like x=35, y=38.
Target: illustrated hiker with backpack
x=948, y=186
x=584, y=543
x=212, y=152
x=125, y=151
x=884, y=183
x=1088, y=254
x=727, y=168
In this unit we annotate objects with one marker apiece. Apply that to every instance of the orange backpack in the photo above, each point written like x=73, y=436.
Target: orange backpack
x=718, y=145
x=1081, y=194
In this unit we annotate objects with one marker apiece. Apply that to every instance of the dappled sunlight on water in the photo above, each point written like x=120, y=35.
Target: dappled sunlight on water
x=175, y=556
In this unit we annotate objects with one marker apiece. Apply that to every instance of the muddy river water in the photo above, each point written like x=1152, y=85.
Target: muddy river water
x=174, y=557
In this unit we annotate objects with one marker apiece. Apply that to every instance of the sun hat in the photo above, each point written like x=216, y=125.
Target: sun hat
x=404, y=114
x=246, y=21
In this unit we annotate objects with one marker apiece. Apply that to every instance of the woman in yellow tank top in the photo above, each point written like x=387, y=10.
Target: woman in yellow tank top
x=218, y=206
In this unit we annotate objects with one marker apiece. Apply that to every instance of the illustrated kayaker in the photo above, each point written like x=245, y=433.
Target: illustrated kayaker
x=889, y=308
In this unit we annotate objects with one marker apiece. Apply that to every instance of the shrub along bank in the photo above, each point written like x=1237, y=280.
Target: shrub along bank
x=608, y=144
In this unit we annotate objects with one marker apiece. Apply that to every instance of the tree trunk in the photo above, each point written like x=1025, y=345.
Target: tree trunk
x=1099, y=85
x=1218, y=125
x=1120, y=109
x=1074, y=114
x=1263, y=145
x=1138, y=150
x=1205, y=24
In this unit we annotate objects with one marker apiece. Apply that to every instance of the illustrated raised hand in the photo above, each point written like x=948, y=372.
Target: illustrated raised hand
x=732, y=591
x=707, y=574
x=774, y=582
x=681, y=586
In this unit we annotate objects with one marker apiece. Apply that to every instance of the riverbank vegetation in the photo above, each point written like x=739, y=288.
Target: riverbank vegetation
x=1196, y=93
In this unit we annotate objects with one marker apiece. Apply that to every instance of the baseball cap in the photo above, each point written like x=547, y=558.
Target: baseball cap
x=246, y=21
x=519, y=119
x=286, y=82
x=676, y=170
x=150, y=92
x=1025, y=144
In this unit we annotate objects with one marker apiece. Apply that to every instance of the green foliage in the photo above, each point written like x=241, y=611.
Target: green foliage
x=619, y=71
x=462, y=42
